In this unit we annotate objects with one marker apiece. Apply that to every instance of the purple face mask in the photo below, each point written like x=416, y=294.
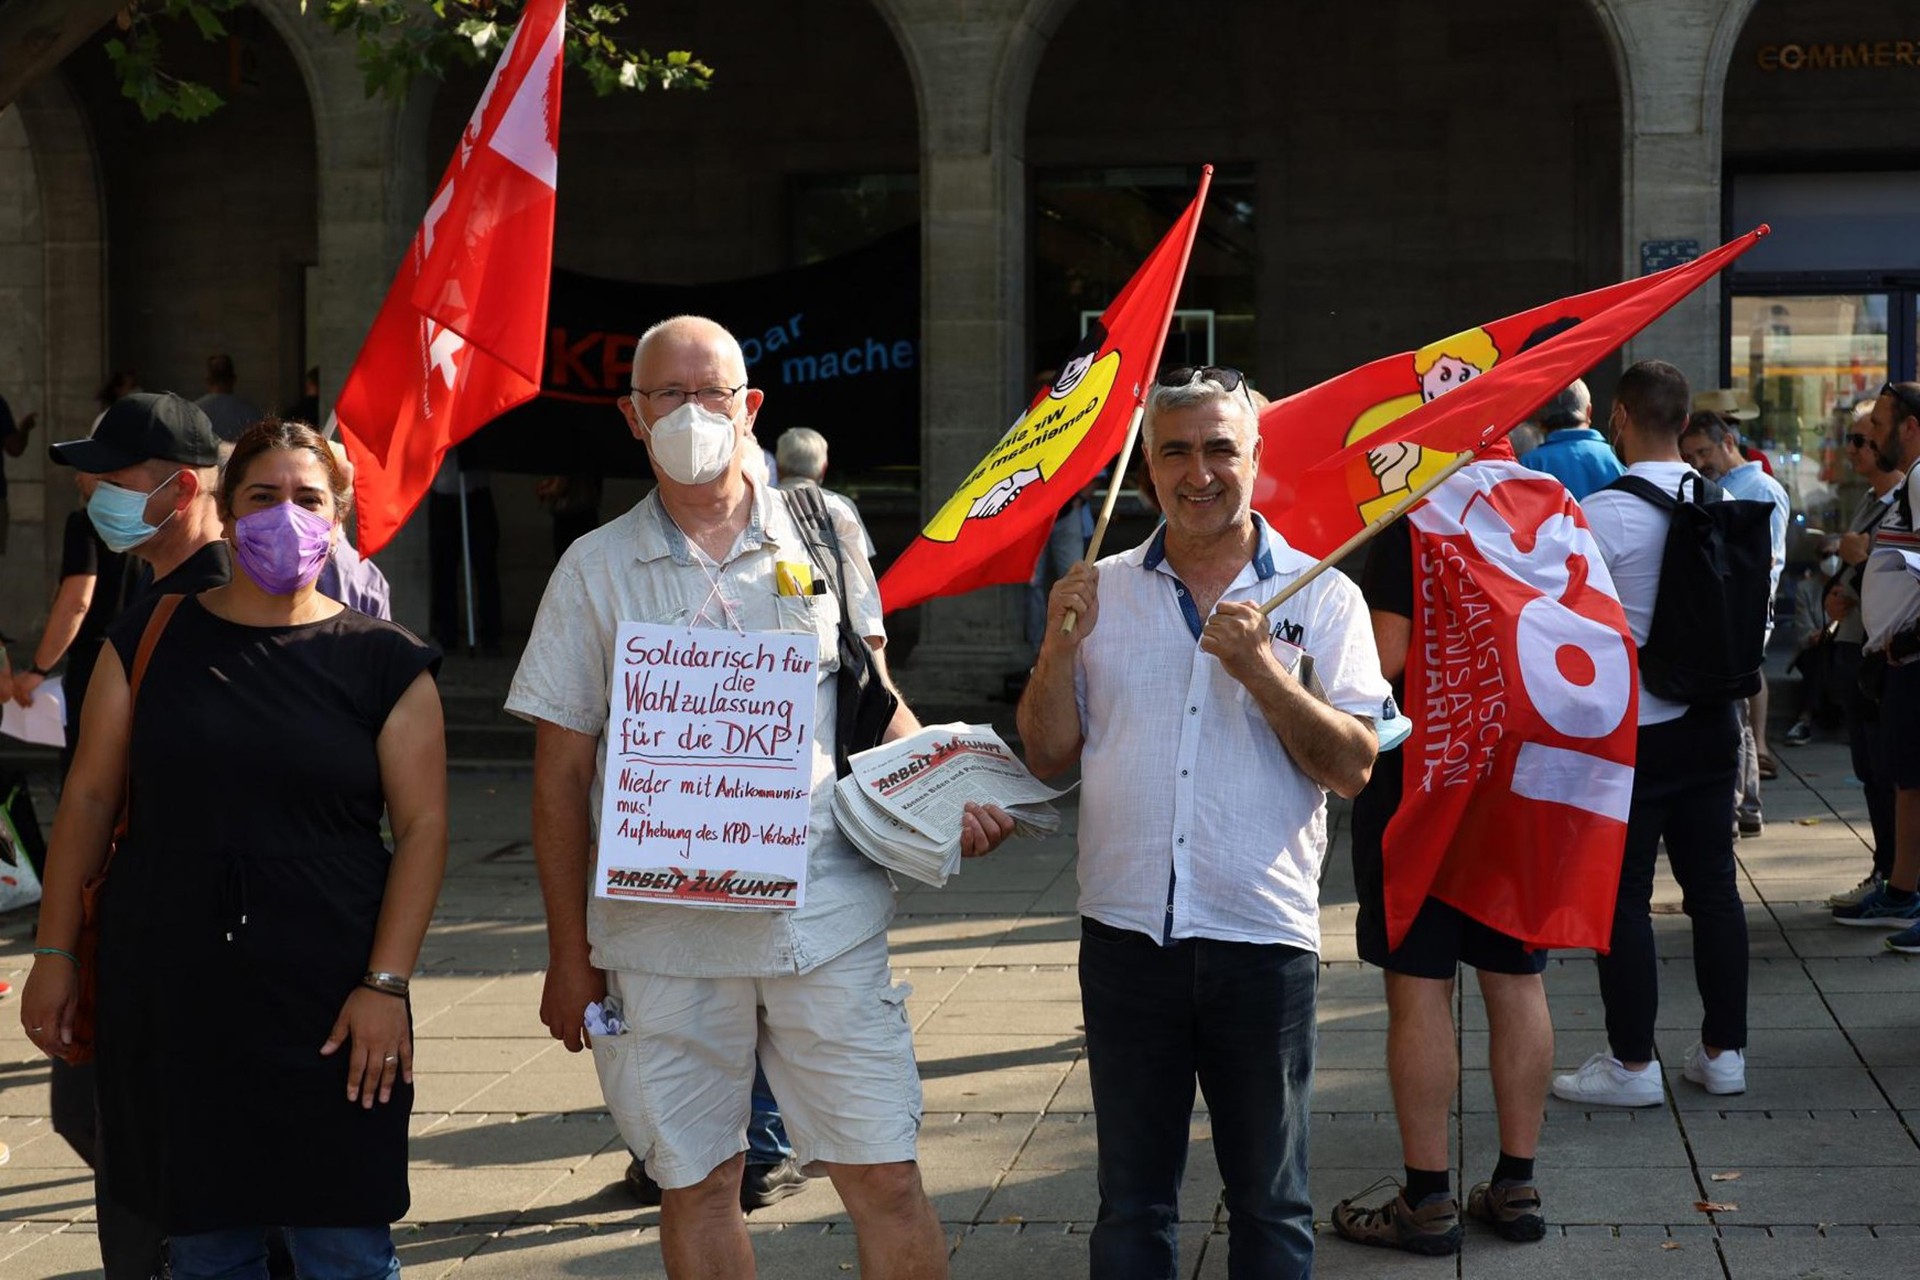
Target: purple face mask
x=282, y=548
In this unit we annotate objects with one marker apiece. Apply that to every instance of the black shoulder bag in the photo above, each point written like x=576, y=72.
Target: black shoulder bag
x=865, y=705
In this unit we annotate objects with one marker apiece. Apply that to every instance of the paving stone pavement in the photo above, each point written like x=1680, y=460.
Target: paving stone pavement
x=516, y=1168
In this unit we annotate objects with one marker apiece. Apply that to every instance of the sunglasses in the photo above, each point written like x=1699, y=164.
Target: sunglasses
x=1181, y=375
x=1904, y=397
x=1858, y=441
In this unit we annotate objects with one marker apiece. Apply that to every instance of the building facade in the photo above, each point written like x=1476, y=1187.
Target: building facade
x=1388, y=171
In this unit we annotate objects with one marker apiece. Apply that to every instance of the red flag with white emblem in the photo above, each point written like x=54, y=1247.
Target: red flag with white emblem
x=459, y=339
x=1523, y=690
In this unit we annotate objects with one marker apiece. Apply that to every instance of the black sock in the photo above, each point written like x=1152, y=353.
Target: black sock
x=1513, y=1169
x=1897, y=895
x=1422, y=1183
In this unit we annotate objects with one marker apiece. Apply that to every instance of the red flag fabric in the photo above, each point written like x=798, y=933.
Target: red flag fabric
x=1522, y=686
x=1340, y=454
x=459, y=339
x=992, y=528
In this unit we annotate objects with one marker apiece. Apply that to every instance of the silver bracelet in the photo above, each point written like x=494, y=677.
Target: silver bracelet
x=393, y=984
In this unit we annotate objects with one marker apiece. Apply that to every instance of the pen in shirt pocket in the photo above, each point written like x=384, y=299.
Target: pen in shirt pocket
x=795, y=578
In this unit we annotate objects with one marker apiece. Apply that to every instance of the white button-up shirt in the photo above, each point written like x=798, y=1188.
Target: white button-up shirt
x=1194, y=820
x=641, y=568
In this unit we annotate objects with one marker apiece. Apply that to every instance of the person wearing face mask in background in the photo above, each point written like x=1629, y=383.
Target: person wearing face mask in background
x=1814, y=631
x=151, y=464
x=271, y=1088
x=156, y=459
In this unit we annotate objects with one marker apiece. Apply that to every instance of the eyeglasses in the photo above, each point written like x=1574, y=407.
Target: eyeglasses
x=667, y=399
x=1183, y=375
x=1904, y=397
x=1858, y=441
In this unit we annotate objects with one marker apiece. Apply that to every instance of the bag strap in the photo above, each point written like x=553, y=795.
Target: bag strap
x=1646, y=490
x=142, y=658
x=810, y=515
x=1704, y=490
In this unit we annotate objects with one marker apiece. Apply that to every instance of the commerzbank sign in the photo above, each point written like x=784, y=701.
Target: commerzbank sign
x=1858, y=55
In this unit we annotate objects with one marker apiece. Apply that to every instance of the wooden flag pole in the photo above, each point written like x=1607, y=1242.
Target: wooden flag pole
x=1113, y=496
x=1347, y=548
x=1149, y=369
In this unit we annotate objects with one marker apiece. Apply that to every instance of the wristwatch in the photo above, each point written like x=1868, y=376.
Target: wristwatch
x=37, y=670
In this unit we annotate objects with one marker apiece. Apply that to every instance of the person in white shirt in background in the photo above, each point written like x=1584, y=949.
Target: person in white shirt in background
x=1865, y=744
x=1682, y=794
x=1206, y=764
x=801, y=456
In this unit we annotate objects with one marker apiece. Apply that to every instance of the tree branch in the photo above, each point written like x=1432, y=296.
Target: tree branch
x=37, y=35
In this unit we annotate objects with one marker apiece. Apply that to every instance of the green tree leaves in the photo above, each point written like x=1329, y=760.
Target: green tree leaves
x=395, y=41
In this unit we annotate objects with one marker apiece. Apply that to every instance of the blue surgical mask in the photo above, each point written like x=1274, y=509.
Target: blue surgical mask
x=120, y=515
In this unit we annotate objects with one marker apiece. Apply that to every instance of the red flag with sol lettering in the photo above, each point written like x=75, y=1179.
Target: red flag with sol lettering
x=1339, y=455
x=1523, y=690
x=460, y=337
x=991, y=530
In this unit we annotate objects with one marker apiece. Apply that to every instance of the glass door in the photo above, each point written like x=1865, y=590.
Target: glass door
x=1805, y=360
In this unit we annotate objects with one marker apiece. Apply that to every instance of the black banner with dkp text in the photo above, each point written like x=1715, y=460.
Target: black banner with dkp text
x=835, y=345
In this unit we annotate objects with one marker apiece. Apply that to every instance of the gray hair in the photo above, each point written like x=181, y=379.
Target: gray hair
x=801, y=452
x=1573, y=407
x=1192, y=395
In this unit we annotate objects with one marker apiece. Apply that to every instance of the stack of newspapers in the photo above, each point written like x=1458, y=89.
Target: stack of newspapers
x=902, y=803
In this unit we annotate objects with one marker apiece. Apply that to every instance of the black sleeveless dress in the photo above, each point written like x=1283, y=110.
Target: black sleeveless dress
x=239, y=915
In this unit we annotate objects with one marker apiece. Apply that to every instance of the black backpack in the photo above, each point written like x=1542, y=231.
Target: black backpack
x=864, y=704
x=1710, y=615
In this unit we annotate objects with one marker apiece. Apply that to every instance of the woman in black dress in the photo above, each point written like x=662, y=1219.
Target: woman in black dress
x=254, y=1044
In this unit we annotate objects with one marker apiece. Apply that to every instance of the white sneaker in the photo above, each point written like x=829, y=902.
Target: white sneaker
x=1602, y=1079
x=1858, y=894
x=1724, y=1074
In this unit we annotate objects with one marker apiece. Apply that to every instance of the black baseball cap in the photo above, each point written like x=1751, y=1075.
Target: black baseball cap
x=143, y=427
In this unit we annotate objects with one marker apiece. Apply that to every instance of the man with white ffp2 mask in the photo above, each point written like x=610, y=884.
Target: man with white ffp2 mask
x=807, y=991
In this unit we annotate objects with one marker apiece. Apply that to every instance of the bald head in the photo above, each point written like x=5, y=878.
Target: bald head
x=678, y=340
x=684, y=360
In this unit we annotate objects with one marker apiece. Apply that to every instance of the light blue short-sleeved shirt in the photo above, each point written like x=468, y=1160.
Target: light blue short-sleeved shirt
x=641, y=568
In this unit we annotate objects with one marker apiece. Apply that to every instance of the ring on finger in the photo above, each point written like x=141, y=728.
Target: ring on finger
x=392, y=1057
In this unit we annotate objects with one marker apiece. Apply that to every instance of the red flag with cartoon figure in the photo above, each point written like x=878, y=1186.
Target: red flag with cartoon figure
x=1357, y=445
x=992, y=528
x=461, y=336
x=1523, y=691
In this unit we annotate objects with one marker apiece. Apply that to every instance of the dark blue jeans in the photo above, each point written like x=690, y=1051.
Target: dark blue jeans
x=1238, y=1017
x=319, y=1253
x=766, y=1136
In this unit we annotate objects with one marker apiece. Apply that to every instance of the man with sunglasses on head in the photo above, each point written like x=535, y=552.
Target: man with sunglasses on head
x=1890, y=613
x=1849, y=636
x=701, y=992
x=1206, y=750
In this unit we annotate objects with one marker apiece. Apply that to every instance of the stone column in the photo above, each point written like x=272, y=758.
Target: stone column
x=973, y=67
x=373, y=189
x=1673, y=65
x=52, y=273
